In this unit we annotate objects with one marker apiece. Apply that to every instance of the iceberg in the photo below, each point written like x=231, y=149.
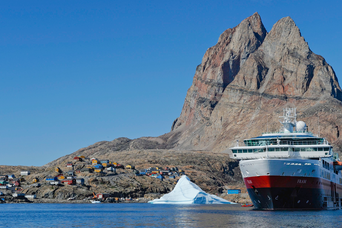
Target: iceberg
x=186, y=192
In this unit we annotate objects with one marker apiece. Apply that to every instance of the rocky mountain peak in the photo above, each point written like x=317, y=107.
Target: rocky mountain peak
x=220, y=65
x=250, y=75
x=285, y=66
x=283, y=37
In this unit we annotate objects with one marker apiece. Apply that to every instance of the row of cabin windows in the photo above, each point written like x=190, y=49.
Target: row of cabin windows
x=282, y=142
x=281, y=149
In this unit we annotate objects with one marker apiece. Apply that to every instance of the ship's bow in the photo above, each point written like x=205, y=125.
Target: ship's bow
x=283, y=184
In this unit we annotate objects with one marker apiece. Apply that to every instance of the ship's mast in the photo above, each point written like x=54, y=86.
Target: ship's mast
x=288, y=119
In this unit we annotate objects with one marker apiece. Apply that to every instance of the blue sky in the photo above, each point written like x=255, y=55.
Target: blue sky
x=73, y=73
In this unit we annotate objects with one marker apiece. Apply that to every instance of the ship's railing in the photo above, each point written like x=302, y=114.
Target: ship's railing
x=283, y=132
x=281, y=154
x=280, y=149
x=284, y=142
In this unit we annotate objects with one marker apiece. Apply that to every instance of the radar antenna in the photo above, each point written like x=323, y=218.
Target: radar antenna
x=288, y=119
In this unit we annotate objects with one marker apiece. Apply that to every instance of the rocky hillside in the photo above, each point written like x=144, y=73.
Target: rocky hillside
x=214, y=173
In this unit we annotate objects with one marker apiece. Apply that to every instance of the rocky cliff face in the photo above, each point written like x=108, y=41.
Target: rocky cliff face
x=245, y=81
x=220, y=65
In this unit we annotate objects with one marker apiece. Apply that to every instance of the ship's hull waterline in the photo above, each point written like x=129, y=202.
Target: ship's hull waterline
x=271, y=188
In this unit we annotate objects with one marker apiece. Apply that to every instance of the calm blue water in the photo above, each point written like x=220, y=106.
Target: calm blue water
x=148, y=215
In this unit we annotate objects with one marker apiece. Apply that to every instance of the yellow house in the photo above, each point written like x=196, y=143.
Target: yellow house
x=94, y=162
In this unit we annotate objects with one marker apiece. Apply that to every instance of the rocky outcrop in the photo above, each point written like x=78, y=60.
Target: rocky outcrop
x=285, y=66
x=220, y=65
x=279, y=71
x=119, y=144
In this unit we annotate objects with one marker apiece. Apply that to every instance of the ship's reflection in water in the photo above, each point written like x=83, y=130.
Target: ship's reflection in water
x=236, y=216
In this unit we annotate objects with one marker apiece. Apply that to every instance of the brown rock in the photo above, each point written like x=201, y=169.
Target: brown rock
x=282, y=71
x=219, y=66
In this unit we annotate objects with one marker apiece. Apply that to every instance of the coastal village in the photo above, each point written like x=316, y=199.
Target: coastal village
x=81, y=179
x=77, y=173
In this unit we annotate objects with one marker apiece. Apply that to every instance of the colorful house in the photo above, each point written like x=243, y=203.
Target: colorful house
x=25, y=173
x=69, y=181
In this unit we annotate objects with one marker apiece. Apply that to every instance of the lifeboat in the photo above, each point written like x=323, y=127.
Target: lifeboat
x=337, y=165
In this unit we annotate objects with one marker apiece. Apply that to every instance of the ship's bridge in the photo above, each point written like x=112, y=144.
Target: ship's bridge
x=282, y=146
x=286, y=143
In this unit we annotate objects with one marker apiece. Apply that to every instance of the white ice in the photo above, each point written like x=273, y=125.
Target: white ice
x=186, y=192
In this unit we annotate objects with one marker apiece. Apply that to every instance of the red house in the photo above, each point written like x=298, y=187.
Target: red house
x=69, y=181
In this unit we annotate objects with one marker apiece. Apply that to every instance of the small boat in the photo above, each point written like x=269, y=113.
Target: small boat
x=95, y=201
x=247, y=205
x=71, y=198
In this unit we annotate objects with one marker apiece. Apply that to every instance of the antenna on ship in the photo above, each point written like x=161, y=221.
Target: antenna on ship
x=288, y=119
x=267, y=123
x=319, y=127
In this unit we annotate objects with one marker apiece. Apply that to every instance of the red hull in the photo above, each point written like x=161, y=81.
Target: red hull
x=292, y=192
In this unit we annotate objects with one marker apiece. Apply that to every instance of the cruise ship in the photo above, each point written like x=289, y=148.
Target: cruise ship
x=291, y=169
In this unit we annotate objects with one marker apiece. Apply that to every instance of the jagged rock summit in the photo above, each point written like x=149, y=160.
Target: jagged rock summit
x=246, y=79
x=220, y=64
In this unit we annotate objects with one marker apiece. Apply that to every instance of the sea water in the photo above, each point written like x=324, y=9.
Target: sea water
x=149, y=215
